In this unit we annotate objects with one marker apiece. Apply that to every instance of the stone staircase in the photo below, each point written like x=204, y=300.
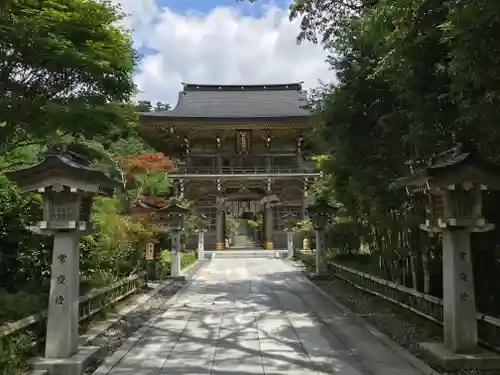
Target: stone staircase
x=259, y=253
x=244, y=247
x=243, y=242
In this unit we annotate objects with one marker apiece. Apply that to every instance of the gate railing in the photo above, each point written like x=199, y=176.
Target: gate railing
x=244, y=170
x=89, y=305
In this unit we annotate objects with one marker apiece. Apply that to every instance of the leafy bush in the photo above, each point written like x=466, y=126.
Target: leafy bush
x=164, y=262
x=14, y=352
x=117, y=248
x=24, y=255
x=188, y=258
x=344, y=238
x=18, y=305
x=304, y=226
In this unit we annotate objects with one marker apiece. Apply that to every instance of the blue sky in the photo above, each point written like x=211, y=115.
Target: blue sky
x=218, y=42
x=253, y=9
x=204, y=6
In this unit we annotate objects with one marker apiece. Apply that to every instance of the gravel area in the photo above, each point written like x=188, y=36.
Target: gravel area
x=404, y=327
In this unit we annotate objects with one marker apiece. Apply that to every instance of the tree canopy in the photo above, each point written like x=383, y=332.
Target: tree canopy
x=413, y=78
x=66, y=68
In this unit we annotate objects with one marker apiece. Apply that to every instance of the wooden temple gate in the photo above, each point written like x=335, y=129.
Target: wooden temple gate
x=244, y=153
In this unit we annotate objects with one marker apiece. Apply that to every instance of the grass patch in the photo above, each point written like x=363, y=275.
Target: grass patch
x=164, y=264
x=16, y=306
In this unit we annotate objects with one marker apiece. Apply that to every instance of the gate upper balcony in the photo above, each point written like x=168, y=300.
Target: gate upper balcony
x=242, y=166
x=233, y=130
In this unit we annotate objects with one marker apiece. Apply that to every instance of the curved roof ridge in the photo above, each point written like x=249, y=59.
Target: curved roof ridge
x=238, y=101
x=242, y=87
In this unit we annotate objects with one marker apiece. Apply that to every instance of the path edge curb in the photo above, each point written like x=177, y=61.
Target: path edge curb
x=416, y=362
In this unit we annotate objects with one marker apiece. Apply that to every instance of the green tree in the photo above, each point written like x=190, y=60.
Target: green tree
x=144, y=106
x=322, y=20
x=160, y=106
x=23, y=255
x=470, y=34
x=66, y=68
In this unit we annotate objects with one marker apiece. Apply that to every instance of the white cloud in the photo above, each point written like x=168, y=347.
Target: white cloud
x=221, y=47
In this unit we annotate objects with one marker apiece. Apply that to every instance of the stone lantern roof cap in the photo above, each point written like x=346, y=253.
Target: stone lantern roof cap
x=59, y=162
x=321, y=206
x=203, y=222
x=461, y=163
x=174, y=205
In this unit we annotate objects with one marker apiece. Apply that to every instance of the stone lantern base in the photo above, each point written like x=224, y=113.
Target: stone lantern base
x=74, y=365
x=481, y=359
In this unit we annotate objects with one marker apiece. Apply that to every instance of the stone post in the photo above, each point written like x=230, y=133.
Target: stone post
x=320, y=251
x=459, y=308
x=219, y=222
x=175, y=267
x=62, y=321
x=269, y=227
x=68, y=186
x=289, y=244
x=201, y=244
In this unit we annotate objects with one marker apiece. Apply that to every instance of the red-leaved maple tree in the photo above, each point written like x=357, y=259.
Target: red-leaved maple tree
x=146, y=163
x=137, y=168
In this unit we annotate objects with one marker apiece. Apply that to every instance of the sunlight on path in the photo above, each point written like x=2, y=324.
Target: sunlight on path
x=255, y=316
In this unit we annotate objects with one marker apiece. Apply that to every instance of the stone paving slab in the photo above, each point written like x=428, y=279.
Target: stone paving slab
x=256, y=316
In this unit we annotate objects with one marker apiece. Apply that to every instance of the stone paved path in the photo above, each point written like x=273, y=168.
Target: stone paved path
x=255, y=316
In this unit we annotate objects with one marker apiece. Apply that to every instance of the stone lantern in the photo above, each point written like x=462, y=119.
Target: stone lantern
x=68, y=187
x=320, y=212
x=454, y=183
x=160, y=220
x=202, y=228
x=289, y=221
x=175, y=213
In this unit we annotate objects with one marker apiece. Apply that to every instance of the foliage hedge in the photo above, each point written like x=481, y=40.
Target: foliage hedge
x=164, y=263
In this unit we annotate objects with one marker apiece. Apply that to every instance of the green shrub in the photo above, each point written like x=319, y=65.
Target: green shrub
x=97, y=280
x=364, y=262
x=24, y=256
x=188, y=258
x=163, y=264
x=309, y=259
x=14, y=352
x=17, y=348
x=16, y=306
x=343, y=237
